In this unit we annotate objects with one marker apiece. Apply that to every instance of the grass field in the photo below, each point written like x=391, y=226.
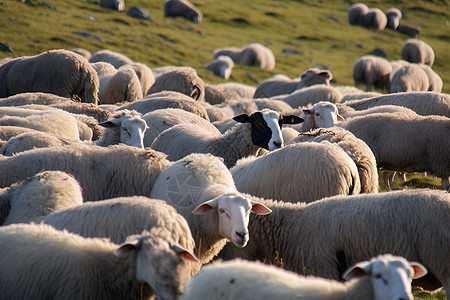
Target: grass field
x=302, y=34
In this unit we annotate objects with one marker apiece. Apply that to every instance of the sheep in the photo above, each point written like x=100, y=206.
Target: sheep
x=126, y=127
x=233, y=52
x=356, y=148
x=310, y=95
x=356, y=12
x=279, y=85
x=353, y=93
x=37, y=196
x=167, y=99
x=8, y=132
x=417, y=51
x=59, y=72
x=200, y=184
x=327, y=170
x=393, y=18
x=243, y=90
x=182, y=8
x=144, y=73
x=423, y=103
x=321, y=239
x=115, y=58
x=348, y=112
x=289, y=134
x=372, y=71
x=435, y=81
x=83, y=52
x=253, y=54
x=383, y=277
x=181, y=79
x=260, y=129
x=374, y=19
x=103, y=172
x=44, y=263
x=323, y=114
x=118, y=5
x=409, y=78
x=406, y=142
x=409, y=30
x=213, y=112
x=221, y=66
x=216, y=95
x=162, y=119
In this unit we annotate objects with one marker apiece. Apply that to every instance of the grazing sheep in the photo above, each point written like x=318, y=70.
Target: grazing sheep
x=221, y=66
x=103, y=172
x=181, y=79
x=326, y=170
x=253, y=54
x=374, y=19
x=60, y=72
x=372, y=71
x=409, y=78
x=83, y=52
x=393, y=18
x=37, y=196
x=115, y=58
x=435, y=81
x=279, y=85
x=118, y=5
x=144, y=73
x=321, y=239
x=417, y=51
x=243, y=90
x=182, y=8
x=216, y=95
x=406, y=142
x=167, y=99
x=40, y=262
x=409, y=30
x=200, y=184
x=385, y=277
x=356, y=13
x=323, y=114
x=260, y=129
x=310, y=95
x=233, y=52
x=356, y=148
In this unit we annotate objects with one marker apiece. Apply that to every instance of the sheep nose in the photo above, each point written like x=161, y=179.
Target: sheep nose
x=240, y=234
x=278, y=143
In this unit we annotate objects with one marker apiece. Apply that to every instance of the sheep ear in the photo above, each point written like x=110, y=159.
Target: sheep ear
x=243, y=118
x=109, y=123
x=292, y=119
x=183, y=253
x=126, y=248
x=340, y=118
x=327, y=74
x=207, y=206
x=307, y=111
x=419, y=269
x=354, y=272
x=260, y=209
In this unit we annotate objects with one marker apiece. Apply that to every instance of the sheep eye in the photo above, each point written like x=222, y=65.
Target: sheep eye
x=317, y=114
x=221, y=210
x=378, y=276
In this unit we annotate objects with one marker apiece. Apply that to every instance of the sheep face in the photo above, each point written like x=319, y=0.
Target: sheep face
x=131, y=129
x=233, y=213
x=322, y=115
x=390, y=276
x=266, y=127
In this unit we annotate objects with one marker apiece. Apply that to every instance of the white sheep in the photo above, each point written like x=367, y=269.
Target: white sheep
x=385, y=277
x=83, y=52
x=103, y=172
x=321, y=238
x=417, y=51
x=356, y=148
x=348, y=112
x=300, y=172
x=216, y=95
x=115, y=58
x=260, y=129
x=323, y=114
x=37, y=196
x=289, y=134
x=310, y=95
x=221, y=66
x=243, y=90
x=182, y=8
x=202, y=190
x=8, y=132
x=356, y=12
x=59, y=72
x=435, y=81
x=393, y=18
x=40, y=262
x=375, y=18
x=144, y=73
x=409, y=78
x=352, y=93
x=281, y=85
x=372, y=71
x=254, y=54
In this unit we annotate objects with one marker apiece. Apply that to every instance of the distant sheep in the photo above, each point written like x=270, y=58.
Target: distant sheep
x=374, y=19
x=409, y=30
x=417, y=51
x=409, y=78
x=251, y=55
x=372, y=71
x=144, y=73
x=60, y=72
x=310, y=96
x=434, y=80
x=216, y=95
x=221, y=66
x=393, y=18
x=356, y=12
x=115, y=58
x=182, y=8
x=83, y=52
x=118, y=5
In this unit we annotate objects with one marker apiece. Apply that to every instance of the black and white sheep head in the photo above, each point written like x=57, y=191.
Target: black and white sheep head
x=159, y=262
x=323, y=114
x=390, y=276
x=266, y=127
x=233, y=213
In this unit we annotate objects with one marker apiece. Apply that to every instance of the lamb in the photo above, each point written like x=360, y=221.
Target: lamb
x=435, y=81
x=372, y=71
x=327, y=170
x=397, y=147
x=200, y=184
x=221, y=66
x=356, y=12
x=216, y=95
x=59, y=72
x=356, y=148
x=310, y=95
x=181, y=79
x=118, y=5
x=182, y=8
x=393, y=18
x=321, y=239
x=243, y=90
x=253, y=54
x=37, y=196
x=417, y=51
x=383, y=277
x=409, y=78
x=280, y=85
x=374, y=19
x=103, y=172
x=115, y=58
x=144, y=73
x=42, y=262
x=260, y=129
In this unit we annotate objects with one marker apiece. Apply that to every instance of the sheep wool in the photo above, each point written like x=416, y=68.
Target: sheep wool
x=417, y=51
x=115, y=58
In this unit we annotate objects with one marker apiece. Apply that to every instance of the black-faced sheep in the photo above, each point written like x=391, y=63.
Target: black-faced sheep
x=182, y=8
x=373, y=71
x=115, y=58
x=409, y=78
x=417, y=51
x=221, y=66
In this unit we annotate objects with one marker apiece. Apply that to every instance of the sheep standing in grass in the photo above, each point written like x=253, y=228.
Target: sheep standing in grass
x=374, y=19
x=221, y=66
x=115, y=58
x=393, y=18
x=257, y=55
x=37, y=196
x=409, y=78
x=41, y=262
x=356, y=13
x=417, y=51
x=260, y=129
x=59, y=72
x=372, y=71
x=321, y=239
x=182, y=8
x=385, y=277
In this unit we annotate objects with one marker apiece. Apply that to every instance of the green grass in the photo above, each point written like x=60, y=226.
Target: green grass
x=317, y=30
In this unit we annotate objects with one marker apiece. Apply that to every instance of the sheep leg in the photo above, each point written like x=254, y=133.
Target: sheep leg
x=446, y=186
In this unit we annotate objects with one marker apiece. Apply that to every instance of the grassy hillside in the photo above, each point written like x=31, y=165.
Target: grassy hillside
x=302, y=34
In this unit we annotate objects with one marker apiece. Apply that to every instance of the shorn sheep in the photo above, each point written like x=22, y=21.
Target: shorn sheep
x=326, y=171
x=40, y=262
x=115, y=58
x=417, y=51
x=321, y=239
x=410, y=78
x=384, y=277
x=182, y=8
x=260, y=129
x=251, y=55
x=200, y=184
x=37, y=196
x=372, y=71
x=103, y=172
x=221, y=66
x=60, y=72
